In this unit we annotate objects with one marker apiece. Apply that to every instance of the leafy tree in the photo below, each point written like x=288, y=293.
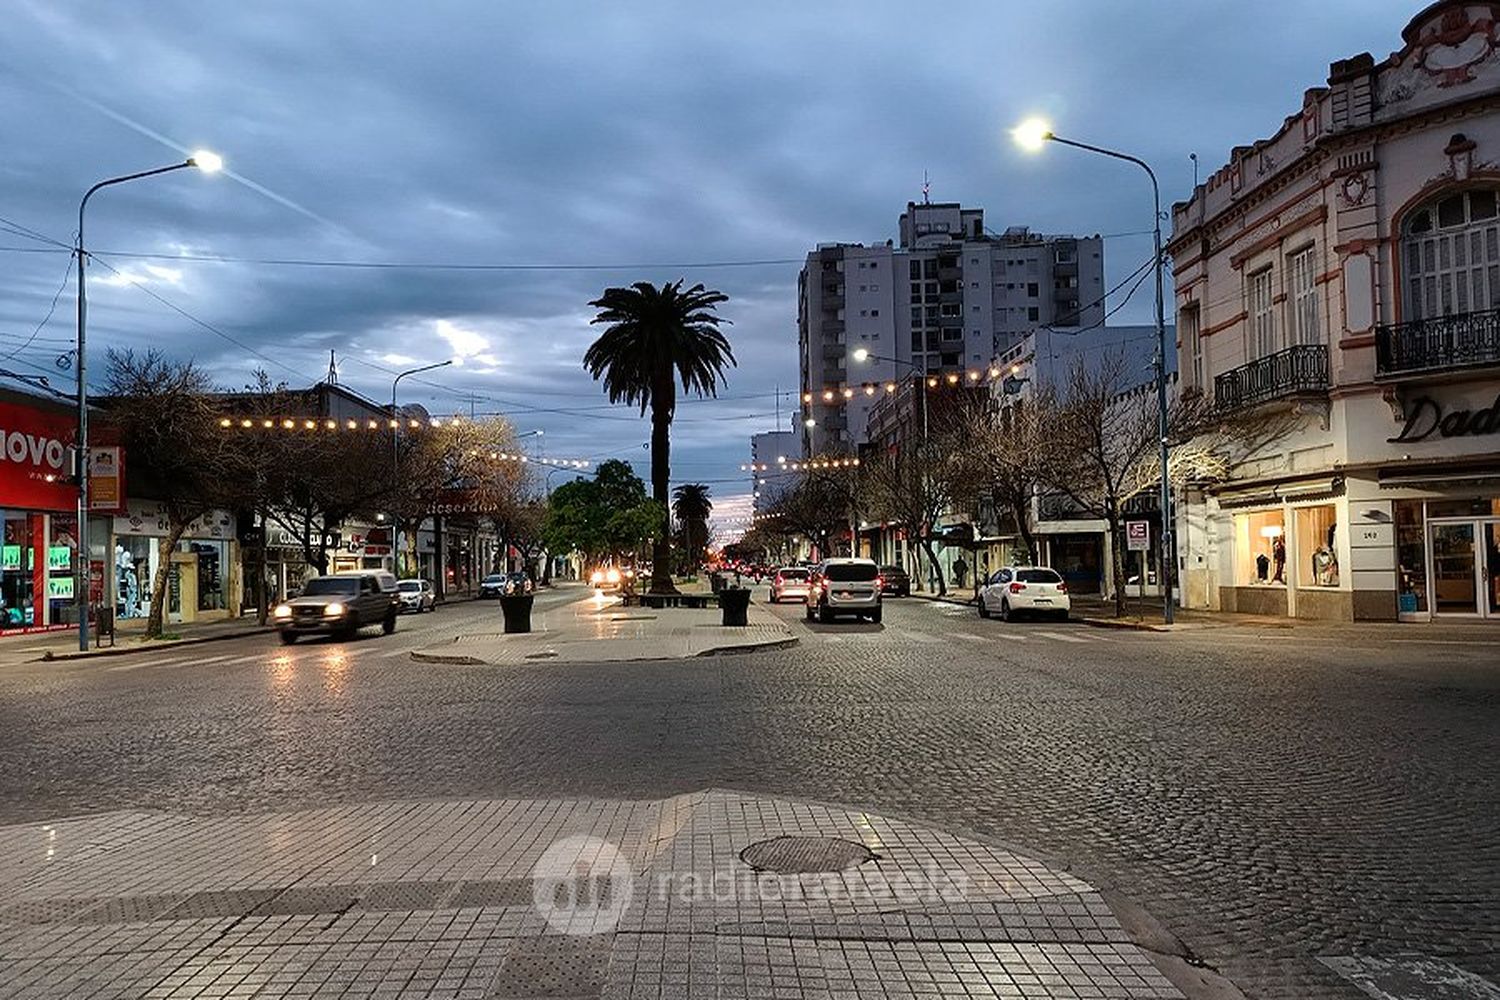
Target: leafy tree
x=608, y=516
x=691, y=504
x=654, y=337
x=167, y=420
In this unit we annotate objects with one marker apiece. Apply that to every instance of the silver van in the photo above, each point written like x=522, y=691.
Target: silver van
x=844, y=587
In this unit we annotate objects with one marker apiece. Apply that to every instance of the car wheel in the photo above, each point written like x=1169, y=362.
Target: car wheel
x=825, y=614
x=389, y=625
x=1006, y=615
x=875, y=618
x=288, y=638
x=809, y=609
x=1062, y=616
x=984, y=609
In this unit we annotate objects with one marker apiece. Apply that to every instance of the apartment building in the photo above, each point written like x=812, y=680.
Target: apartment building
x=1343, y=276
x=770, y=454
x=947, y=298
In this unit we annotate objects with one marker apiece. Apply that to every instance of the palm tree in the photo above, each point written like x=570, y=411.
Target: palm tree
x=656, y=336
x=692, y=506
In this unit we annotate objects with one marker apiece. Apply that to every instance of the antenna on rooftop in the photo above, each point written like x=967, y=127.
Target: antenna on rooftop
x=926, y=188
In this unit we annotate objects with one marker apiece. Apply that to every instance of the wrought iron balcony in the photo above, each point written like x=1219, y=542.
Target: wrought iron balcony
x=1297, y=370
x=1442, y=343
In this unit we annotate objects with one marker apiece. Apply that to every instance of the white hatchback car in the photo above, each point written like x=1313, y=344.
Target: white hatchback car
x=1024, y=590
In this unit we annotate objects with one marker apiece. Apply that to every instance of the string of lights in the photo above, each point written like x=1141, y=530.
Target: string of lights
x=783, y=464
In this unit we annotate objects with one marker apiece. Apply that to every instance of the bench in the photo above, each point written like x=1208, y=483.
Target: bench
x=659, y=601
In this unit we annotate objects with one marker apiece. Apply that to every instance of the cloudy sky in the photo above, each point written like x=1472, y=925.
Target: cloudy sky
x=586, y=144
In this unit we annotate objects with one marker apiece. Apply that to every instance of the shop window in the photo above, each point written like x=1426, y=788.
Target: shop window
x=1261, y=548
x=1411, y=558
x=62, y=548
x=17, y=562
x=135, y=568
x=212, y=562
x=1317, y=551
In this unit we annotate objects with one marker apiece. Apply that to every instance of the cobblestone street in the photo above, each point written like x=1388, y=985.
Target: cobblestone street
x=1275, y=798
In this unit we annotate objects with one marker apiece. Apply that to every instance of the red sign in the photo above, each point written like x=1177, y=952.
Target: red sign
x=34, y=463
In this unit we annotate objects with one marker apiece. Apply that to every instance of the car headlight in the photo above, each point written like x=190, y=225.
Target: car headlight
x=283, y=611
x=333, y=610
x=613, y=576
x=596, y=577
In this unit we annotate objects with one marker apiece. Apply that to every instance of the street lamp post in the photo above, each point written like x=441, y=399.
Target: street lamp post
x=209, y=163
x=1033, y=134
x=396, y=458
x=861, y=354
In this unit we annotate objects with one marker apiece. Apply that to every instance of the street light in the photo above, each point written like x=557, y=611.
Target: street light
x=861, y=354
x=209, y=163
x=395, y=382
x=1033, y=134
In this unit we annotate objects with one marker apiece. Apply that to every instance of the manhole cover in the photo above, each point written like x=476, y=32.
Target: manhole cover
x=801, y=855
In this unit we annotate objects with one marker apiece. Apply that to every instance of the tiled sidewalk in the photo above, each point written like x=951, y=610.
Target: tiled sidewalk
x=530, y=898
x=601, y=630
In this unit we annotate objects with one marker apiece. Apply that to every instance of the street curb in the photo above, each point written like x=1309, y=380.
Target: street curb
x=1119, y=625
x=51, y=657
x=748, y=647
x=459, y=659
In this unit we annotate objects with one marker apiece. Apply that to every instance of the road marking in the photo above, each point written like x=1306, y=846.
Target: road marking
x=391, y=654
x=1061, y=637
x=971, y=635
x=146, y=663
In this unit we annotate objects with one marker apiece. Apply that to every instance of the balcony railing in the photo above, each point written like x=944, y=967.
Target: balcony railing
x=1438, y=344
x=1290, y=372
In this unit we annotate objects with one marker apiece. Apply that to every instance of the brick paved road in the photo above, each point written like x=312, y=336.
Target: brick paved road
x=1270, y=796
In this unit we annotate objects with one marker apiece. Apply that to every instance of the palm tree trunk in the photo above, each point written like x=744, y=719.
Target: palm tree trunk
x=661, y=481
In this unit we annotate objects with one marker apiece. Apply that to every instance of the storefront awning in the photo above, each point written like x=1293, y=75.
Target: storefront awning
x=1261, y=494
x=1438, y=478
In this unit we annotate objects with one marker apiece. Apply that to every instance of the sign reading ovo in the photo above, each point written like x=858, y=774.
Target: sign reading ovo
x=34, y=446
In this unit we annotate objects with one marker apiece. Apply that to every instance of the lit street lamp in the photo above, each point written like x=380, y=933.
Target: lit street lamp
x=862, y=355
x=209, y=163
x=1033, y=134
x=394, y=428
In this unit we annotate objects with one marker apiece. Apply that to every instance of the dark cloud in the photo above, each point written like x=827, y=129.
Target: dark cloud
x=585, y=133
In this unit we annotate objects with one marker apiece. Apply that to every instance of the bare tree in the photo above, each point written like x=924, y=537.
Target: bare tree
x=166, y=417
x=1099, y=445
x=915, y=483
x=817, y=507
x=1001, y=452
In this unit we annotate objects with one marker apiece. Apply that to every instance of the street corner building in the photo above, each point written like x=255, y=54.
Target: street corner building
x=1343, y=277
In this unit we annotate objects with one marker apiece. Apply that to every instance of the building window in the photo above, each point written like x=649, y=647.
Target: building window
x=1260, y=547
x=1192, y=345
x=1451, y=255
x=1033, y=314
x=1304, y=293
x=1411, y=558
x=929, y=268
x=874, y=312
x=1262, y=315
x=914, y=269
x=1033, y=289
x=1317, y=551
x=916, y=315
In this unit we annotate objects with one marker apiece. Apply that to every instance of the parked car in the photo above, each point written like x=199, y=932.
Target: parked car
x=895, y=581
x=1024, y=590
x=789, y=581
x=844, y=587
x=518, y=583
x=416, y=595
x=492, y=585
x=340, y=605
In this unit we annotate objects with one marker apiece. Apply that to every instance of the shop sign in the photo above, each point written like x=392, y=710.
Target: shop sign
x=60, y=588
x=106, y=480
x=1425, y=417
x=34, y=463
x=1137, y=536
x=10, y=557
x=59, y=557
x=151, y=520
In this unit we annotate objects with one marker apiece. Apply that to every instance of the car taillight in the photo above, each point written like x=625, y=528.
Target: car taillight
x=1062, y=588
x=1016, y=588
x=880, y=583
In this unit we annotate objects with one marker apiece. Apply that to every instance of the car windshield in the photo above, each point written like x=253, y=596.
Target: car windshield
x=324, y=585
x=1038, y=576
x=496, y=578
x=792, y=574
x=518, y=577
x=888, y=570
x=851, y=572
x=410, y=586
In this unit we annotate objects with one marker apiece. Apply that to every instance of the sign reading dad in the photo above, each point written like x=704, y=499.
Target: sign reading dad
x=1425, y=417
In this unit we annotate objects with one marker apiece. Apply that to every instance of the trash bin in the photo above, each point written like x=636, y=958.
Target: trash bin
x=734, y=602
x=517, y=610
x=715, y=582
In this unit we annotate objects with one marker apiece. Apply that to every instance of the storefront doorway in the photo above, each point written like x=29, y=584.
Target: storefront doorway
x=1460, y=559
x=1466, y=568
